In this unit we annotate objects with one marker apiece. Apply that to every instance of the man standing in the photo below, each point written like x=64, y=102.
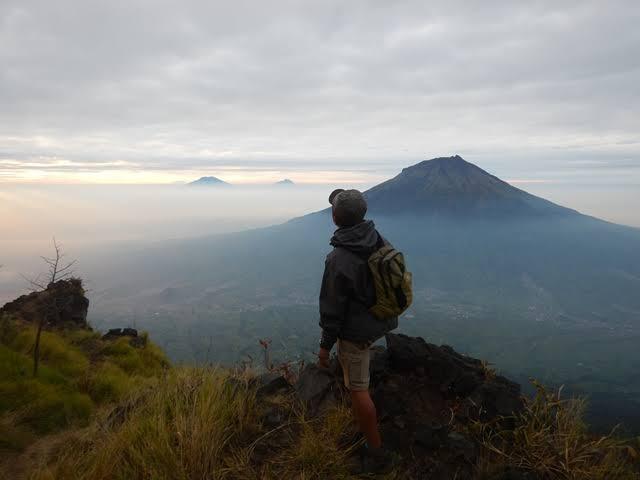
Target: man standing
x=347, y=294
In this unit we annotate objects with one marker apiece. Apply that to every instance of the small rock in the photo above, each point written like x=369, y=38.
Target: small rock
x=315, y=388
x=270, y=383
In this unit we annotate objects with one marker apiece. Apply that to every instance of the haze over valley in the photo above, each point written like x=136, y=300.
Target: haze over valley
x=542, y=290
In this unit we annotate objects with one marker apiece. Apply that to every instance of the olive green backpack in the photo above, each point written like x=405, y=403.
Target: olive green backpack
x=392, y=282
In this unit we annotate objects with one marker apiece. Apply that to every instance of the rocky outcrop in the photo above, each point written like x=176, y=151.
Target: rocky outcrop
x=62, y=303
x=120, y=332
x=426, y=397
x=135, y=340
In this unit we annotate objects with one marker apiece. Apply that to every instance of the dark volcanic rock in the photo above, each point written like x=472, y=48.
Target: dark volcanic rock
x=270, y=383
x=425, y=393
x=462, y=446
x=61, y=303
x=426, y=396
x=317, y=388
x=443, y=375
x=120, y=332
x=430, y=436
x=135, y=340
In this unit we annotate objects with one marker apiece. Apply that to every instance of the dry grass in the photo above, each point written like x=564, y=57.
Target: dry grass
x=551, y=440
x=196, y=423
x=317, y=448
x=189, y=426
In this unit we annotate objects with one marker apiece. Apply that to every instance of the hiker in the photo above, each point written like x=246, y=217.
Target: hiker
x=347, y=297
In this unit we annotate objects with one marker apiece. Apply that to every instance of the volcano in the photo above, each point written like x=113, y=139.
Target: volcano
x=451, y=186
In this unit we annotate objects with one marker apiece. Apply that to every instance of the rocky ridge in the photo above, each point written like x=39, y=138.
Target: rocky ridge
x=427, y=397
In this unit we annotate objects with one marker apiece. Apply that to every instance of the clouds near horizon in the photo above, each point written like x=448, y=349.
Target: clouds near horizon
x=165, y=90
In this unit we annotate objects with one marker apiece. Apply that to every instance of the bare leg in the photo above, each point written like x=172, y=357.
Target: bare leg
x=365, y=412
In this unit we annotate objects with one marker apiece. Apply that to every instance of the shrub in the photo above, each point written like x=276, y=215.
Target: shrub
x=146, y=360
x=54, y=409
x=54, y=351
x=109, y=383
x=13, y=365
x=43, y=407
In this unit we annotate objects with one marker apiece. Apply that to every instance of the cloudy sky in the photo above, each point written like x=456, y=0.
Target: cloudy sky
x=152, y=92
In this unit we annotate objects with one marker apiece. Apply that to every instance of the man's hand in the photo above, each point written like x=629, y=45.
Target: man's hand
x=323, y=358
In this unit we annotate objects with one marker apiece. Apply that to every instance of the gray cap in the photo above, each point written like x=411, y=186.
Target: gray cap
x=349, y=206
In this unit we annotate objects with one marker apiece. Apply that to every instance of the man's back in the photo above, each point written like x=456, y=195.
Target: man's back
x=348, y=291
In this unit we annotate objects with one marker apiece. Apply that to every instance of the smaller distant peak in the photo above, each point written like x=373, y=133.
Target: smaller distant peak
x=285, y=181
x=208, y=181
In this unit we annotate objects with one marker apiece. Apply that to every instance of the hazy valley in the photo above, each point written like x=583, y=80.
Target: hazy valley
x=539, y=290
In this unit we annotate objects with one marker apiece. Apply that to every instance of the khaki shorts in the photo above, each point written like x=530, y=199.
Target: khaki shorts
x=354, y=360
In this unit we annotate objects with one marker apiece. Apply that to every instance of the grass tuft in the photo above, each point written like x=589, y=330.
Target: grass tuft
x=551, y=440
x=192, y=424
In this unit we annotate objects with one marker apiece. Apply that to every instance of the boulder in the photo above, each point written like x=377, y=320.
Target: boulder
x=62, y=303
x=317, y=388
x=270, y=383
x=120, y=332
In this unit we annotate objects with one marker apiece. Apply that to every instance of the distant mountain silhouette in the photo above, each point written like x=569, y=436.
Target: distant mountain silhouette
x=285, y=182
x=209, y=182
x=452, y=186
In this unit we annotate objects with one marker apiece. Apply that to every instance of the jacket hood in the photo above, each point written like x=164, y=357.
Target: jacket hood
x=360, y=238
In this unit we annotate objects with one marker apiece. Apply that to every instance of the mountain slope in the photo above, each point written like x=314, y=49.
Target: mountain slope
x=451, y=186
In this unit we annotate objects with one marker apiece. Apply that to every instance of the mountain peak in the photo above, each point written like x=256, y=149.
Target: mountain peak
x=455, y=161
x=208, y=181
x=451, y=186
x=285, y=182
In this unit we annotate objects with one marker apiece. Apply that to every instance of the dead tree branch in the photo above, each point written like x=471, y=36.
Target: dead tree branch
x=57, y=269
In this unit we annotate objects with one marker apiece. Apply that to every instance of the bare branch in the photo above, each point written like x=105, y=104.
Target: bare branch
x=57, y=269
x=34, y=283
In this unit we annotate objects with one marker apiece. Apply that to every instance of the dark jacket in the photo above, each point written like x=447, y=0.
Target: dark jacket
x=347, y=290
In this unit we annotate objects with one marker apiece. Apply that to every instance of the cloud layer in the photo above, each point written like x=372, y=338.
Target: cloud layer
x=105, y=91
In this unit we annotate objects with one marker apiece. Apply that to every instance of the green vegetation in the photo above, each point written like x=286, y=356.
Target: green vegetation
x=205, y=423
x=79, y=372
x=113, y=409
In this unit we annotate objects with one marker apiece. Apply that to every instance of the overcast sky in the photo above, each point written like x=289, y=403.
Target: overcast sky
x=319, y=91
